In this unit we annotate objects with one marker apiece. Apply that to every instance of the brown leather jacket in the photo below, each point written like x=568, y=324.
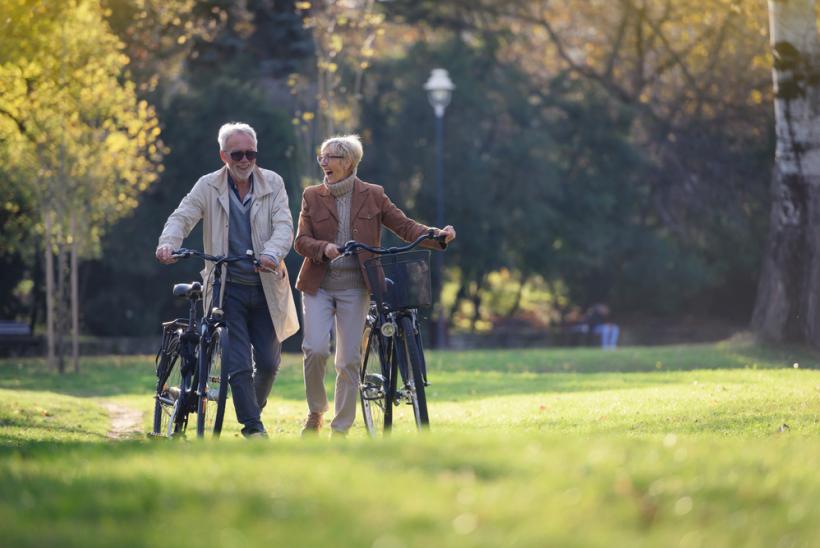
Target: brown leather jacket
x=370, y=208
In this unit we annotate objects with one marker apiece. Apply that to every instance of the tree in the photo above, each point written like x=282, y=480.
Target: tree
x=692, y=77
x=541, y=180
x=79, y=146
x=226, y=61
x=788, y=298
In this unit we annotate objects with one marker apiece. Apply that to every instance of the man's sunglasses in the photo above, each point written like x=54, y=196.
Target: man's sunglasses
x=237, y=155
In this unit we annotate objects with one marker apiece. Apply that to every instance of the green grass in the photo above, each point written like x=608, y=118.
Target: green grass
x=697, y=445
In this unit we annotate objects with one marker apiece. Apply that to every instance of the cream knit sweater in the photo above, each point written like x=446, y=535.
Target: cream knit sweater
x=343, y=273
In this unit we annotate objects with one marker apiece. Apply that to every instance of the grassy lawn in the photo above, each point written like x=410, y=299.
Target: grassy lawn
x=697, y=445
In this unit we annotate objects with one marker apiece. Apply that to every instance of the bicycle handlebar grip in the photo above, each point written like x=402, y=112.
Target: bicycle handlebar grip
x=347, y=248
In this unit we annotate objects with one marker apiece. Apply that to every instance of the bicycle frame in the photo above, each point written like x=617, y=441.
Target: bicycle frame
x=195, y=337
x=395, y=330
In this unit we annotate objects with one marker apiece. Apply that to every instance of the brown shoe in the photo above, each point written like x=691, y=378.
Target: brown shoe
x=313, y=424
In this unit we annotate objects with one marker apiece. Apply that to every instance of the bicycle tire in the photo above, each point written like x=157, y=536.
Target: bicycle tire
x=168, y=389
x=372, y=384
x=223, y=384
x=415, y=380
x=213, y=387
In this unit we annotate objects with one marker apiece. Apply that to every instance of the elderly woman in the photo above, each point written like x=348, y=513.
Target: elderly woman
x=342, y=208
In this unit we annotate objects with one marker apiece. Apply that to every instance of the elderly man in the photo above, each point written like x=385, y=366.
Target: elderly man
x=244, y=207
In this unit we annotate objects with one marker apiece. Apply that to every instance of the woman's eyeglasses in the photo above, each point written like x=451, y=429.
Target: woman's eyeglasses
x=328, y=157
x=237, y=155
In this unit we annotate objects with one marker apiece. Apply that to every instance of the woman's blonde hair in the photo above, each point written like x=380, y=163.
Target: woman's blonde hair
x=348, y=145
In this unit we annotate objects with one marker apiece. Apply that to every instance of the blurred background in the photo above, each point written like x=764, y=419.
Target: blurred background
x=615, y=152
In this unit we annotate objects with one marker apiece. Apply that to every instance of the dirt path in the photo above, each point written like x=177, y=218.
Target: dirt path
x=126, y=422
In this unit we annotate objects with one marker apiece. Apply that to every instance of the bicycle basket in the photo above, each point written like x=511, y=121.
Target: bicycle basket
x=401, y=280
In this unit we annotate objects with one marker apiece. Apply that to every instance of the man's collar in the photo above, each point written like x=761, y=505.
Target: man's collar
x=232, y=184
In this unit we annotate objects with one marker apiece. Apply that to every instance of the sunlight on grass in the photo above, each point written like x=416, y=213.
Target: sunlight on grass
x=702, y=445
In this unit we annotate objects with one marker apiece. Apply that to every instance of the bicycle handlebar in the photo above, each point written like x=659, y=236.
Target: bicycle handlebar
x=352, y=246
x=184, y=253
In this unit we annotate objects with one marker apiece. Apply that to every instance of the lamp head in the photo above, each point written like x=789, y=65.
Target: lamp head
x=439, y=90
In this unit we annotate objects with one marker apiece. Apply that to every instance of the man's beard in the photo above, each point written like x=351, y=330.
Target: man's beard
x=241, y=174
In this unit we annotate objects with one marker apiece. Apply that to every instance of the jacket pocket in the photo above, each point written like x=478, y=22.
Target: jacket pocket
x=323, y=218
x=324, y=226
x=367, y=227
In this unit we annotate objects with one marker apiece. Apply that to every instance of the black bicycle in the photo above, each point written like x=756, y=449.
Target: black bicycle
x=399, y=280
x=190, y=376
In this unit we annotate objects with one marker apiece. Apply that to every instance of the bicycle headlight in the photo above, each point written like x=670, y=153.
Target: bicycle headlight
x=388, y=329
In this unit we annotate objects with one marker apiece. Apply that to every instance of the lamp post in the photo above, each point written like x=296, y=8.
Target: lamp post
x=439, y=89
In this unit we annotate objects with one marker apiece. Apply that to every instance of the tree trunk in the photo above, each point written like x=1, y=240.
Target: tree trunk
x=75, y=296
x=36, y=292
x=49, y=272
x=62, y=315
x=788, y=297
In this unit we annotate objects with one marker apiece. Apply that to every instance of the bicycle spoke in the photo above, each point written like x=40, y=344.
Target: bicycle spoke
x=372, y=386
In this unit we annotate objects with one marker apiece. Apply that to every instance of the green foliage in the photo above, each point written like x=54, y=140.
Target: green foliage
x=632, y=171
x=75, y=136
x=258, y=40
x=129, y=292
x=681, y=89
x=221, y=64
x=543, y=181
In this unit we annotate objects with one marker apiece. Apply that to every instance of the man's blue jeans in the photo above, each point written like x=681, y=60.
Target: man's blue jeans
x=249, y=325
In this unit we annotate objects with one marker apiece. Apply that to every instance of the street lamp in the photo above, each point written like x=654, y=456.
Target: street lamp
x=439, y=89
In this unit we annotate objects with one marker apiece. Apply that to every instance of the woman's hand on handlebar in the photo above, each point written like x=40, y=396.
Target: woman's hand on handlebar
x=448, y=232
x=164, y=254
x=331, y=251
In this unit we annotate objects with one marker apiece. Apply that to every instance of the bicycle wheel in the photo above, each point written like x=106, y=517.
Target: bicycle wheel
x=169, y=388
x=372, y=384
x=213, y=387
x=414, y=383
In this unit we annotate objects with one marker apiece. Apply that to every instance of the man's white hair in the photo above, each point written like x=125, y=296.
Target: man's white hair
x=234, y=127
x=350, y=146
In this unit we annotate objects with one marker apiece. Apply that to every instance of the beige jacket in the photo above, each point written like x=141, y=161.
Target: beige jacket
x=271, y=230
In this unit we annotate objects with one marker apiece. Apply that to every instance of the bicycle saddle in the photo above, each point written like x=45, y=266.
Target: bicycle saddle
x=192, y=290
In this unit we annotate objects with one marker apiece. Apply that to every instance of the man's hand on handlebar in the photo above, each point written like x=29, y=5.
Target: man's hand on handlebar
x=164, y=254
x=266, y=264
